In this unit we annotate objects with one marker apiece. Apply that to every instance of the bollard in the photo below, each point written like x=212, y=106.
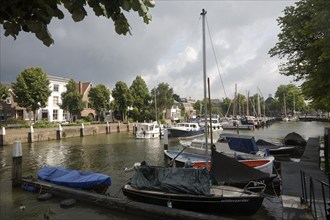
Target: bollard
x=165, y=139
x=82, y=130
x=127, y=126
x=107, y=128
x=2, y=136
x=59, y=132
x=30, y=135
x=118, y=127
x=17, y=163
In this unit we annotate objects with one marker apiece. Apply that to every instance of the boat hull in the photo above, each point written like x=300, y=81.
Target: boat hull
x=197, y=203
x=184, y=133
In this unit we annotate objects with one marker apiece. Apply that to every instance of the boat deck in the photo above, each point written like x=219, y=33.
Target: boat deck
x=292, y=189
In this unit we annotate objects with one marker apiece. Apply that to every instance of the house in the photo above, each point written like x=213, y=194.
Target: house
x=53, y=111
x=84, y=88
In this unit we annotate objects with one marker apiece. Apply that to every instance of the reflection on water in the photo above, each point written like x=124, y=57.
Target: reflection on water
x=111, y=154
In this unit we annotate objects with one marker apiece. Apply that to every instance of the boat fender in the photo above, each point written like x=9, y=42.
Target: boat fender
x=29, y=188
x=68, y=203
x=44, y=196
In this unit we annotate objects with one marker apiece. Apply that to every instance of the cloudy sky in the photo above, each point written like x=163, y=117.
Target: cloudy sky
x=238, y=37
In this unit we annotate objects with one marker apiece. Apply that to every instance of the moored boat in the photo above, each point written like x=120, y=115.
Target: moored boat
x=147, y=130
x=190, y=189
x=75, y=178
x=185, y=129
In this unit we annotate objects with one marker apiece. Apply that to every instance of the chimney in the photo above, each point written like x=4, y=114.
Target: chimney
x=80, y=87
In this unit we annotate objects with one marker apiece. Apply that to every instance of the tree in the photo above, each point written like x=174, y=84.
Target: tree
x=294, y=100
x=140, y=97
x=164, y=97
x=304, y=41
x=72, y=99
x=35, y=15
x=4, y=92
x=31, y=90
x=123, y=98
x=99, y=98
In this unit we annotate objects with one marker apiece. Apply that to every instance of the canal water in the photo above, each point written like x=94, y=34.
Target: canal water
x=111, y=154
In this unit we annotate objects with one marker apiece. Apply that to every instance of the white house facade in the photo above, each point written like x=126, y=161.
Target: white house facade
x=53, y=112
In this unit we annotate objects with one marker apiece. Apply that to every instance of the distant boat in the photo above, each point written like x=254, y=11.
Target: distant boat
x=216, y=124
x=147, y=130
x=75, y=179
x=185, y=129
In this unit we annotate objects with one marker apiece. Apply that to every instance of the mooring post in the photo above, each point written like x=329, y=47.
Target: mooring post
x=118, y=126
x=59, y=132
x=2, y=136
x=82, y=130
x=30, y=135
x=17, y=163
x=165, y=139
x=107, y=128
x=326, y=146
x=127, y=126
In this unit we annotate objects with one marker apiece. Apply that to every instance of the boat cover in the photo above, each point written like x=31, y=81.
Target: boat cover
x=172, y=180
x=73, y=178
x=228, y=170
x=294, y=139
x=242, y=143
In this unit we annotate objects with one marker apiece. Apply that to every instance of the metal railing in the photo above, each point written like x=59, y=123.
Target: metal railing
x=319, y=205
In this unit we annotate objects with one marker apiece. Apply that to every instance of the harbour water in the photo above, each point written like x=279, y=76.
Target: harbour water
x=111, y=154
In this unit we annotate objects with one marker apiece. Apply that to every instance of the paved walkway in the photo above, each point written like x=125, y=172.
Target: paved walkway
x=292, y=191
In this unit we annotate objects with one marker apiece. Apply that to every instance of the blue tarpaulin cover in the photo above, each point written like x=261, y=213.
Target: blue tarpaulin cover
x=242, y=143
x=73, y=178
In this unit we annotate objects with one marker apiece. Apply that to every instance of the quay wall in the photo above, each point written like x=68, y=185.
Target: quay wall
x=46, y=134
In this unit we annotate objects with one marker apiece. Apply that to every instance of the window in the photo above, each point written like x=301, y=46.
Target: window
x=55, y=88
x=55, y=114
x=55, y=100
x=8, y=100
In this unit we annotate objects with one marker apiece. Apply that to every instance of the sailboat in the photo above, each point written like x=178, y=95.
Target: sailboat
x=189, y=188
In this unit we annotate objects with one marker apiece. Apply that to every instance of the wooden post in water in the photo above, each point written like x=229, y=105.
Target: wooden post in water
x=30, y=135
x=17, y=163
x=59, y=132
x=107, y=128
x=118, y=126
x=127, y=126
x=165, y=139
x=326, y=147
x=82, y=127
x=2, y=136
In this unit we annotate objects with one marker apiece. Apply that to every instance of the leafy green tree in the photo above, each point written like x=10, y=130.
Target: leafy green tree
x=226, y=106
x=99, y=98
x=140, y=98
x=31, y=89
x=164, y=98
x=4, y=92
x=35, y=16
x=176, y=97
x=72, y=99
x=123, y=98
x=294, y=100
x=304, y=42
x=199, y=107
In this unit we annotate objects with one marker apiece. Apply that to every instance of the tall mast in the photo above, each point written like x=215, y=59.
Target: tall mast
x=204, y=79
